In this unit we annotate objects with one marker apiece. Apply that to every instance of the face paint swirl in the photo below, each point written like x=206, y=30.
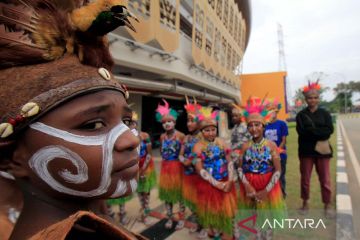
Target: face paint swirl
x=40, y=160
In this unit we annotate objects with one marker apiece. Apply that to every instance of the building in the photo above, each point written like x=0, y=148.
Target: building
x=181, y=47
x=272, y=85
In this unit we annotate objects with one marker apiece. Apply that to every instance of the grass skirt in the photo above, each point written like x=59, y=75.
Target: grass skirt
x=216, y=208
x=273, y=207
x=189, y=190
x=171, y=181
x=147, y=183
x=119, y=201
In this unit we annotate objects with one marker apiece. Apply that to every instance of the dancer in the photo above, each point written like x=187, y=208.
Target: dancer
x=61, y=134
x=170, y=187
x=259, y=171
x=147, y=175
x=216, y=192
x=190, y=177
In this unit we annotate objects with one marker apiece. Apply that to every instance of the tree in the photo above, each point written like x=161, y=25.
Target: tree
x=344, y=93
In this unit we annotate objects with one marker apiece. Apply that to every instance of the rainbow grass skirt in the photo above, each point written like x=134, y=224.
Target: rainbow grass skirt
x=149, y=182
x=189, y=190
x=215, y=208
x=273, y=207
x=170, y=186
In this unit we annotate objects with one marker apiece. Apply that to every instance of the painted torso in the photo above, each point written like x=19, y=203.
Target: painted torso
x=257, y=158
x=214, y=161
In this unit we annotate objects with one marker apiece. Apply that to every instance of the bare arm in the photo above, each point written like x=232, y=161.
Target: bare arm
x=182, y=151
x=162, y=136
x=283, y=142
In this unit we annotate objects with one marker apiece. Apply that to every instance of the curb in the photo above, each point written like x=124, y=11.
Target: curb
x=344, y=212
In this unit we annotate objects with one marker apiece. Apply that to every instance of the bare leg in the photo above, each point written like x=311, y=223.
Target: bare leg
x=169, y=213
x=181, y=222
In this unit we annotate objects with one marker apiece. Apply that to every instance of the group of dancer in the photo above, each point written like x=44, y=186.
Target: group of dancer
x=200, y=170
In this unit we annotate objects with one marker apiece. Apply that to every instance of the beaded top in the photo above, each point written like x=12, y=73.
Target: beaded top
x=214, y=161
x=257, y=158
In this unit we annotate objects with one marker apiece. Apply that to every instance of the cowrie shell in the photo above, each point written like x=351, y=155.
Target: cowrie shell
x=30, y=109
x=104, y=73
x=6, y=129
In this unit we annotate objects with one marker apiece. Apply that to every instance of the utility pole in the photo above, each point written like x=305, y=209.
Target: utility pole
x=282, y=61
x=282, y=64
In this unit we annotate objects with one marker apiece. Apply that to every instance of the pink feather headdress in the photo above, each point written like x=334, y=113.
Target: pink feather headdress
x=165, y=110
x=256, y=110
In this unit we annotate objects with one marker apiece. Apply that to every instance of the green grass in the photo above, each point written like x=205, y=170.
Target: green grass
x=293, y=199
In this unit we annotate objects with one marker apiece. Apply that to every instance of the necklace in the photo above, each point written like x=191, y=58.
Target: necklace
x=172, y=136
x=258, y=146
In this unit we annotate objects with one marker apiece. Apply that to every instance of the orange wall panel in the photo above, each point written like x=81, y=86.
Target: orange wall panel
x=260, y=84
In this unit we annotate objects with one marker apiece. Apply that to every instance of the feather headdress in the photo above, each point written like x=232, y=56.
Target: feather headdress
x=256, y=110
x=163, y=111
x=315, y=86
x=51, y=51
x=192, y=108
x=273, y=104
x=35, y=31
x=207, y=117
x=135, y=116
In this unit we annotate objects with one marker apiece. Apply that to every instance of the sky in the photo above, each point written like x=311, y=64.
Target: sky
x=318, y=35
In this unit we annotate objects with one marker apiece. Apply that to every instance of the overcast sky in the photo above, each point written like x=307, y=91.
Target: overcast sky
x=319, y=36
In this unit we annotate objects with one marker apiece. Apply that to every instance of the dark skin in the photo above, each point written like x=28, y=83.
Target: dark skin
x=312, y=100
x=256, y=129
x=236, y=116
x=88, y=115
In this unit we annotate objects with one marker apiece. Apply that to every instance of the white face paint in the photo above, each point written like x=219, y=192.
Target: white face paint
x=168, y=125
x=40, y=160
x=6, y=175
